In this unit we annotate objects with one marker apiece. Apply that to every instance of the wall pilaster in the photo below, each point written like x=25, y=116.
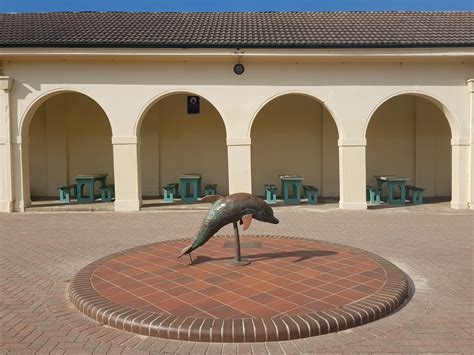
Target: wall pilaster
x=240, y=164
x=352, y=171
x=21, y=173
x=460, y=170
x=470, y=87
x=6, y=162
x=127, y=173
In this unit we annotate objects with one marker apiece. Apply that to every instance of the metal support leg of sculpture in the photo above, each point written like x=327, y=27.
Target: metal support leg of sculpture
x=237, y=260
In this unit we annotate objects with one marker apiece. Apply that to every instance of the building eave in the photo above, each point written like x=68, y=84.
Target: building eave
x=415, y=53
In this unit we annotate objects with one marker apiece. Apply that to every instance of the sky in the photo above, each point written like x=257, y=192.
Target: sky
x=234, y=5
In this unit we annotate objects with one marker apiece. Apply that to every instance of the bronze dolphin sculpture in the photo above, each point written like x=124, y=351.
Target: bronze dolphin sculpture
x=236, y=207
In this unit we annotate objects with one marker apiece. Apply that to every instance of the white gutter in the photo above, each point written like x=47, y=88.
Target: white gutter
x=254, y=53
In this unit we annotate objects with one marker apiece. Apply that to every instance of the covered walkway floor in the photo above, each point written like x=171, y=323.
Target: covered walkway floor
x=158, y=204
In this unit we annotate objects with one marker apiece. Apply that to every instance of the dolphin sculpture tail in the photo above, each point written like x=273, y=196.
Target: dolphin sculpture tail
x=186, y=250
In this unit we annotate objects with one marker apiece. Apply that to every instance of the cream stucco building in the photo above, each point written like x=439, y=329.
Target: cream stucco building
x=334, y=97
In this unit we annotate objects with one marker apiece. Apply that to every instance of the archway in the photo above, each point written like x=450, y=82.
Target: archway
x=409, y=135
x=174, y=141
x=69, y=135
x=295, y=134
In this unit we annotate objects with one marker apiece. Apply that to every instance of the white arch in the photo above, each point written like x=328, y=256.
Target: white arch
x=339, y=125
x=454, y=124
x=163, y=95
x=45, y=96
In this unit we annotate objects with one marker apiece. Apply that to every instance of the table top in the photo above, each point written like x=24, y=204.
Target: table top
x=90, y=176
x=191, y=176
x=392, y=178
x=291, y=177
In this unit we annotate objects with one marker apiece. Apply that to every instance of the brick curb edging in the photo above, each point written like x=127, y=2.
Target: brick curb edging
x=285, y=327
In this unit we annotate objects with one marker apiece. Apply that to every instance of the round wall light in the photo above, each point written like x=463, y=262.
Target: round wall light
x=239, y=69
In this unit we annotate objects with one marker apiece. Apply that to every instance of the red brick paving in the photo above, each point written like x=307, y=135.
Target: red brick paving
x=40, y=253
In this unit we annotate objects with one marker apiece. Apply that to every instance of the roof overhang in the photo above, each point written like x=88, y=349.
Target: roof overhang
x=436, y=53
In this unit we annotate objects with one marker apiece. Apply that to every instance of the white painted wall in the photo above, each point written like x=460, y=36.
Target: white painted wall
x=69, y=135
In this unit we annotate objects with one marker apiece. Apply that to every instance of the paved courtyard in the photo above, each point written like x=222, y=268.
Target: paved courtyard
x=41, y=252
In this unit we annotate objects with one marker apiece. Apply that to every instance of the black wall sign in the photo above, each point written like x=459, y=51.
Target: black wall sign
x=193, y=105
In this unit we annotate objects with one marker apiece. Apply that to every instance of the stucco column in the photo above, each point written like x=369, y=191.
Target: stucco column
x=460, y=170
x=352, y=172
x=21, y=173
x=6, y=167
x=128, y=189
x=240, y=165
x=470, y=87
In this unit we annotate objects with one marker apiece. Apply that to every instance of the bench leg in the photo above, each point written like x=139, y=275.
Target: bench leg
x=312, y=197
x=64, y=196
x=417, y=198
x=374, y=197
x=210, y=191
x=167, y=196
x=270, y=196
x=106, y=195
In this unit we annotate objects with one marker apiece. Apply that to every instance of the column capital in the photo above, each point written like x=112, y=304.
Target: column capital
x=470, y=85
x=352, y=142
x=460, y=141
x=6, y=83
x=125, y=140
x=239, y=141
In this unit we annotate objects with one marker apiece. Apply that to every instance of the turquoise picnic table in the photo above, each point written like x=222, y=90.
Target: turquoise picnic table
x=89, y=180
x=190, y=187
x=292, y=181
x=392, y=182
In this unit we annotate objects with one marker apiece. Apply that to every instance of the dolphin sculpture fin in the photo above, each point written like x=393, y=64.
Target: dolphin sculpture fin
x=247, y=220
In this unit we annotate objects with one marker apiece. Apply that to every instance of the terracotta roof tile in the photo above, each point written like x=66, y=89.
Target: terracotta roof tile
x=257, y=29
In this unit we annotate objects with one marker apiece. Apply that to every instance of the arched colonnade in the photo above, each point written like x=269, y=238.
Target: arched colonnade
x=242, y=146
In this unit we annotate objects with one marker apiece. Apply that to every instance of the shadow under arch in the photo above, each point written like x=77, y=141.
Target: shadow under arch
x=339, y=126
x=31, y=109
x=174, y=142
x=454, y=124
x=143, y=112
x=409, y=133
x=302, y=135
x=62, y=162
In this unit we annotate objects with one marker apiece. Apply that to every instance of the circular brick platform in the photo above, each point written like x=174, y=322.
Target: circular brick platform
x=293, y=288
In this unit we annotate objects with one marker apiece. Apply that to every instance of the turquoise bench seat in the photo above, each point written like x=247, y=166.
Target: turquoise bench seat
x=210, y=189
x=415, y=194
x=107, y=193
x=373, y=195
x=170, y=191
x=311, y=194
x=270, y=193
x=66, y=192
